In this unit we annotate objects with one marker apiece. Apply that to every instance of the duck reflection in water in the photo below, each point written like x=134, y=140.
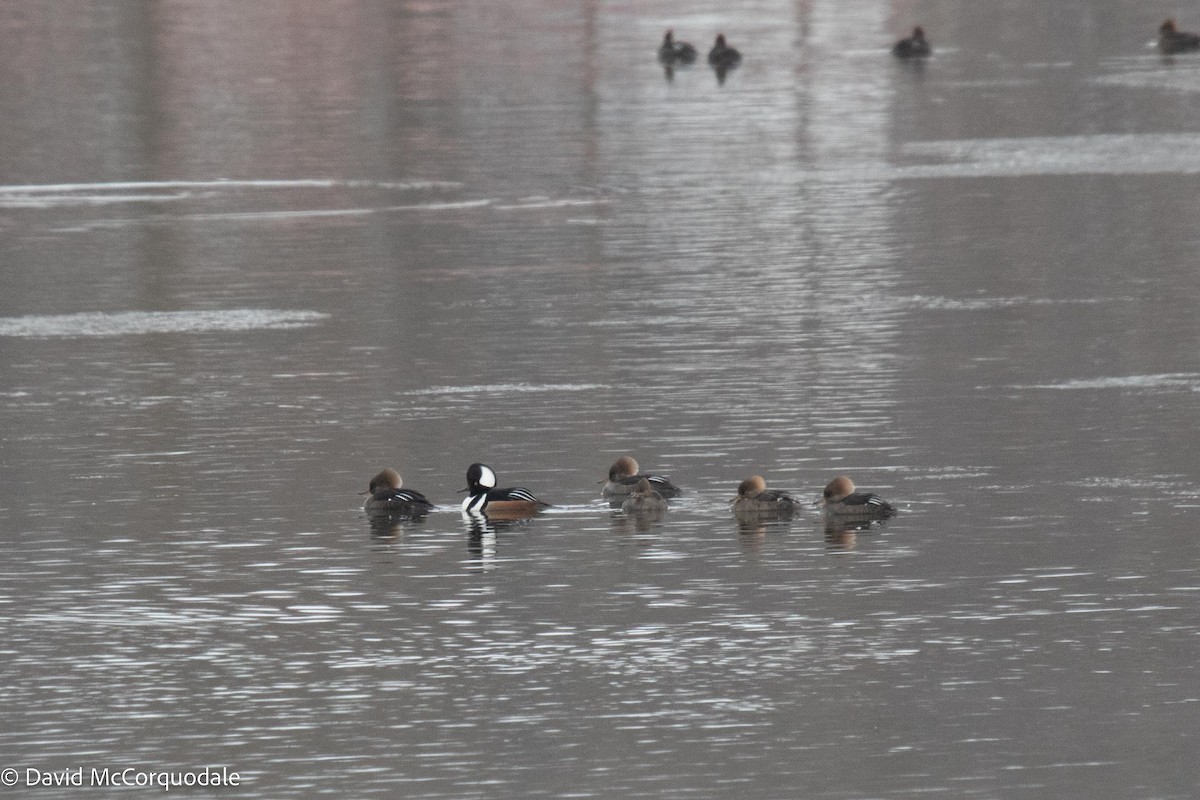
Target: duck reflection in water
x=841, y=535
x=388, y=526
x=753, y=531
x=483, y=536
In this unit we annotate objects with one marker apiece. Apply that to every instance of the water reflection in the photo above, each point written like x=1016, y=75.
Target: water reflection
x=638, y=521
x=753, y=530
x=391, y=525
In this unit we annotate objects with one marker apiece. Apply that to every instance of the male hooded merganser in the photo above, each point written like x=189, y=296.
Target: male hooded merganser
x=914, y=46
x=1171, y=40
x=755, y=499
x=387, y=496
x=484, y=498
x=644, y=500
x=722, y=55
x=840, y=499
x=623, y=478
x=671, y=51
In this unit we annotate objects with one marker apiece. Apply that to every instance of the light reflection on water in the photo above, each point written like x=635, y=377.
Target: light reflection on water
x=969, y=285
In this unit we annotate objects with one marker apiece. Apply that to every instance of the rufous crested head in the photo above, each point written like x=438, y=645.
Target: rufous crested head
x=387, y=479
x=623, y=467
x=753, y=485
x=838, y=489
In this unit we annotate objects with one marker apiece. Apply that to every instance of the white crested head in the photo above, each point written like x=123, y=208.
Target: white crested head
x=487, y=478
x=480, y=476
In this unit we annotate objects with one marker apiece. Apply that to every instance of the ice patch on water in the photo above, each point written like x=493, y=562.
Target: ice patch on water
x=65, y=194
x=990, y=303
x=138, y=322
x=1159, y=80
x=507, y=388
x=1105, y=154
x=1177, y=380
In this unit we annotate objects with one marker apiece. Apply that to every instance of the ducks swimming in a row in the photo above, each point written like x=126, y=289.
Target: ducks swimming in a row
x=722, y=56
x=673, y=52
x=638, y=493
x=1171, y=40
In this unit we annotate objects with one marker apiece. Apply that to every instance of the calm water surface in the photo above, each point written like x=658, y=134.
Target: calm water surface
x=251, y=255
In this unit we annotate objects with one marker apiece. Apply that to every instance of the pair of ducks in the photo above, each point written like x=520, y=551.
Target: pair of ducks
x=1171, y=40
x=721, y=55
x=387, y=495
x=642, y=493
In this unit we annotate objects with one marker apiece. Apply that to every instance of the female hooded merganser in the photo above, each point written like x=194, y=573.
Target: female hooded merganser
x=671, y=51
x=484, y=498
x=387, y=496
x=755, y=499
x=840, y=499
x=623, y=478
x=644, y=501
x=914, y=46
x=722, y=55
x=1171, y=40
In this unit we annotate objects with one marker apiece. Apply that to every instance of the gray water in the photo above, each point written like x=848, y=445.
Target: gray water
x=253, y=253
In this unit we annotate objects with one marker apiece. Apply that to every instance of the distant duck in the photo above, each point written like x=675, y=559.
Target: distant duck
x=644, y=501
x=387, y=496
x=915, y=46
x=484, y=498
x=722, y=55
x=624, y=476
x=1172, y=41
x=755, y=499
x=841, y=500
x=673, y=52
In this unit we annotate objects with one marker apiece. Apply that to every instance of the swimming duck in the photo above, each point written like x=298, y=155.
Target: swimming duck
x=915, y=46
x=644, y=500
x=840, y=499
x=673, y=52
x=1171, y=40
x=755, y=499
x=623, y=477
x=387, y=496
x=722, y=55
x=484, y=498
